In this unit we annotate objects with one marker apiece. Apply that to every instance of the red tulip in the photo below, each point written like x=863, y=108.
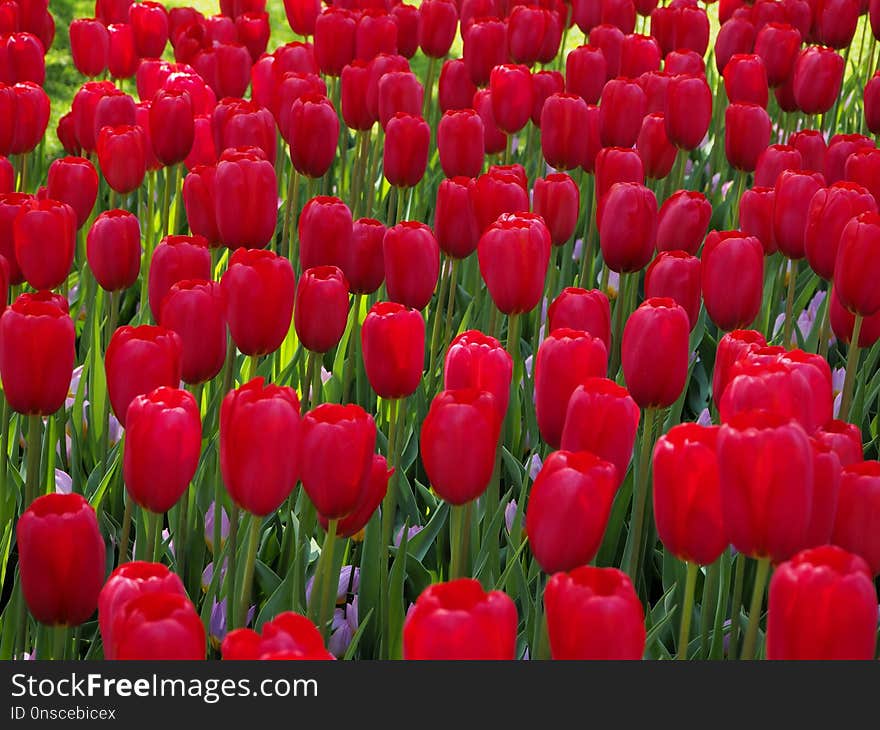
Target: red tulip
x=856, y=263
x=240, y=123
x=193, y=308
x=838, y=152
x=172, y=129
x=246, y=198
x=176, y=258
x=745, y=80
x=826, y=491
x=811, y=144
x=372, y=493
x=455, y=90
x=10, y=205
x=302, y=15
x=412, y=263
x=335, y=31
x=89, y=46
x=756, y=207
x=682, y=221
x=684, y=61
x=871, y=103
x=544, y=85
x=773, y=161
x=843, y=322
x=736, y=35
x=150, y=23
x=863, y=167
x=580, y=309
x=556, y=199
x=586, y=71
x=778, y=44
x=655, y=352
x=622, y=106
x=37, y=353
x=688, y=111
x=376, y=33
x=484, y=44
x=794, y=191
x=288, y=636
x=460, y=141
x=835, y=21
x=198, y=199
x=31, y=117
x=158, y=626
x=855, y=524
x=478, y=362
x=732, y=305
x=494, y=140
x=122, y=157
x=365, y=269
x=628, y=227
x=260, y=433
x=393, y=341
x=765, y=463
x=399, y=91
x=325, y=229
x=313, y=135
x=455, y=220
x=73, y=180
x=61, y=558
x=655, y=149
x=438, y=21
x=511, y=88
x=617, y=165
x=844, y=439
x=594, y=613
x=258, y=289
x=405, y=155
x=458, y=620
x=676, y=274
x=44, y=232
x=822, y=605
x=514, y=253
x=639, y=54
x=818, y=74
x=113, y=249
x=747, y=134
x=568, y=509
x=321, y=308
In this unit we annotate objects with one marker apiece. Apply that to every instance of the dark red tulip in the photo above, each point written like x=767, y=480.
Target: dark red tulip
x=73, y=180
x=113, y=248
x=794, y=191
x=778, y=44
x=496, y=193
x=253, y=32
x=566, y=358
x=687, y=493
x=822, y=605
x=732, y=347
x=465, y=422
x=198, y=199
x=89, y=46
x=438, y=22
x=494, y=140
x=459, y=620
x=337, y=444
x=514, y=253
x=163, y=438
x=313, y=135
x=732, y=304
x=762, y=453
x=594, y=613
x=655, y=351
x=484, y=48
x=622, y=106
x=676, y=274
x=544, y=85
x=139, y=360
x=412, y=263
x=288, y=636
x=203, y=151
x=835, y=21
x=258, y=289
x=586, y=71
x=871, y=104
x=406, y=17
x=863, y=167
x=684, y=61
x=61, y=558
x=830, y=209
x=113, y=109
x=158, y=626
x=44, y=232
x=826, y=491
x=23, y=58
x=399, y=91
x=31, y=117
x=246, y=198
x=756, y=216
x=568, y=509
x=843, y=322
x=455, y=90
x=839, y=149
x=335, y=31
x=325, y=228
x=193, y=308
x=37, y=353
x=122, y=59
x=376, y=33
x=818, y=74
x=688, y=111
x=563, y=147
x=372, y=493
x=460, y=142
x=382, y=64
x=586, y=15
x=856, y=264
x=176, y=258
x=811, y=144
x=354, y=108
x=321, y=308
x=628, y=227
x=365, y=269
x=617, y=165
x=393, y=341
x=476, y=361
x=682, y=221
x=150, y=23
x=65, y=131
x=122, y=157
x=129, y=581
x=260, y=433
x=241, y=123
x=745, y=80
x=405, y=154
x=746, y=135
x=857, y=512
x=580, y=309
x=734, y=36
x=511, y=88
x=172, y=129
x=112, y=11
x=844, y=439
x=776, y=159
x=10, y=205
x=302, y=15
x=655, y=149
x=556, y=199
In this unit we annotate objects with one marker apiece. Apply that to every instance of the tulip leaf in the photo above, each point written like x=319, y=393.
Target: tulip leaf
x=278, y=601
x=99, y=481
x=356, y=639
x=420, y=543
x=370, y=592
x=396, y=610
x=488, y=545
x=267, y=579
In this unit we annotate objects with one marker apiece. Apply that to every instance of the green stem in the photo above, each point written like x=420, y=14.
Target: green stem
x=126, y=530
x=437, y=314
x=789, y=303
x=307, y=383
x=231, y=567
x=852, y=361
x=59, y=642
x=750, y=642
x=401, y=205
x=736, y=603
x=178, y=198
x=166, y=201
x=148, y=246
x=34, y=446
x=249, y=565
x=287, y=229
x=640, y=494
x=450, y=304
x=685, y=629
x=326, y=582
x=429, y=87
x=824, y=334
x=354, y=335
x=459, y=540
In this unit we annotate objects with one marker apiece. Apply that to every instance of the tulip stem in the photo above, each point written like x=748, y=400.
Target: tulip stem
x=178, y=198
x=166, y=201
x=287, y=229
x=736, y=603
x=148, y=246
x=4, y=456
x=750, y=641
x=824, y=335
x=353, y=335
x=688, y=609
x=389, y=503
x=508, y=148
x=34, y=446
x=852, y=361
x=249, y=565
x=640, y=495
x=126, y=529
x=401, y=205
x=307, y=383
x=587, y=266
x=459, y=536
x=234, y=514
x=450, y=304
x=59, y=642
x=437, y=313
x=789, y=304
x=23, y=178
x=111, y=199
x=429, y=87
x=325, y=583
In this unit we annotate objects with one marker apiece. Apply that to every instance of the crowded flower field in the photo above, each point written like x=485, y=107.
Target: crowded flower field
x=467, y=329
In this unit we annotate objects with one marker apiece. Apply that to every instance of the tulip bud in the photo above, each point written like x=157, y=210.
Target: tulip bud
x=811, y=144
x=412, y=263
x=61, y=558
x=655, y=149
x=193, y=308
x=762, y=453
x=239, y=123
x=44, y=232
x=736, y=35
x=511, y=88
x=455, y=221
x=113, y=249
x=405, y=155
x=556, y=199
x=594, y=613
x=399, y=91
x=335, y=31
x=89, y=46
x=732, y=305
x=172, y=129
x=321, y=308
x=818, y=74
x=246, y=198
x=617, y=165
x=585, y=73
x=31, y=117
x=288, y=636
x=778, y=44
x=655, y=352
x=495, y=193
x=745, y=80
x=258, y=288
x=37, y=353
x=478, y=362
x=562, y=114
x=682, y=222
x=688, y=111
x=773, y=161
x=628, y=227
x=622, y=106
x=746, y=135
x=568, y=509
x=458, y=620
x=580, y=309
x=830, y=209
x=484, y=44
x=460, y=141
x=176, y=258
x=393, y=342
x=871, y=104
x=365, y=269
x=455, y=90
x=122, y=157
x=325, y=230
x=676, y=274
x=158, y=626
x=438, y=21
x=376, y=33
x=794, y=191
x=856, y=263
x=822, y=605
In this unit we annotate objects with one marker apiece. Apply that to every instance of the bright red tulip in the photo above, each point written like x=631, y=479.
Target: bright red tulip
x=193, y=308
x=113, y=249
x=732, y=305
x=321, y=308
x=393, y=341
